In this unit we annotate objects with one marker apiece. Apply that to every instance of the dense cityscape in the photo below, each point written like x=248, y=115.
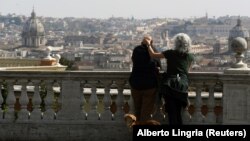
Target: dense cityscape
x=107, y=44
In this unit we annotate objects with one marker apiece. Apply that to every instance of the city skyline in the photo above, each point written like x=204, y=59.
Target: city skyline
x=139, y=9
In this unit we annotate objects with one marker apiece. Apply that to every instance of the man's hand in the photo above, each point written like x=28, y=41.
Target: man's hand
x=147, y=40
x=151, y=43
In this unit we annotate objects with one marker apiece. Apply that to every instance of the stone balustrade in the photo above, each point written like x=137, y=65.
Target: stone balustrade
x=68, y=105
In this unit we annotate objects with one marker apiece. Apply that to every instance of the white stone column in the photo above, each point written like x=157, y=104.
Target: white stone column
x=159, y=113
x=36, y=114
x=131, y=104
x=107, y=114
x=210, y=118
x=120, y=100
x=198, y=117
x=10, y=101
x=93, y=102
x=83, y=101
x=23, y=114
x=49, y=113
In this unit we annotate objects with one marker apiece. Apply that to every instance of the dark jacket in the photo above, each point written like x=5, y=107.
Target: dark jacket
x=144, y=72
x=175, y=81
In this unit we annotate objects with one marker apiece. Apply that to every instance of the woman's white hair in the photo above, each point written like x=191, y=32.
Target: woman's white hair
x=182, y=42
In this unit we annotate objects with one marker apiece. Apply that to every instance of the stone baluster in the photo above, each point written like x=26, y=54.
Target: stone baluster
x=36, y=101
x=49, y=113
x=198, y=117
x=119, y=115
x=219, y=117
x=83, y=101
x=210, y=118
x=166, y=120
x=107, y=114
x=186, y=117
x=23, y=114
x=159, y=113
x=93, y=101
x=131, y=104
x=1, y=102
x=59, y=97
x=10, y=101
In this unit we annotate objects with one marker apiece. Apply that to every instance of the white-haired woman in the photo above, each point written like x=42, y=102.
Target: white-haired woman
x=174, y=88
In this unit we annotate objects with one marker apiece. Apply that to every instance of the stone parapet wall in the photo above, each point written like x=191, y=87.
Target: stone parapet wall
x=68, y=104
x=65, y=131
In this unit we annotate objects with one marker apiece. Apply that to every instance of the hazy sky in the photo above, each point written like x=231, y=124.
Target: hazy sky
x=142, y=9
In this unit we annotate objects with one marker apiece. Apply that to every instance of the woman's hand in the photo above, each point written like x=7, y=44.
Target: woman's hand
x=154, y=54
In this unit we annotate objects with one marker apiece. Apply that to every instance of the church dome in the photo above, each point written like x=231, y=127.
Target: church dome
x=33, y=26
x=238, y=31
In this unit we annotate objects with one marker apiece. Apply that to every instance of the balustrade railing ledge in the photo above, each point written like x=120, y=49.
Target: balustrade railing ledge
x=61, y=100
